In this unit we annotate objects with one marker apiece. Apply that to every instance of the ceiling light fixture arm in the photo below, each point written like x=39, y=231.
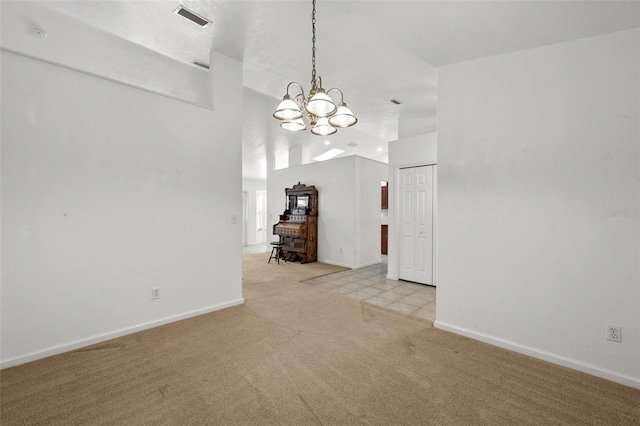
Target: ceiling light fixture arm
x=341, y=94
x=315, y=88
x=300, y=97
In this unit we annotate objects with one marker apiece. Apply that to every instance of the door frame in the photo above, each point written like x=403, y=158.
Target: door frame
x=393, y=264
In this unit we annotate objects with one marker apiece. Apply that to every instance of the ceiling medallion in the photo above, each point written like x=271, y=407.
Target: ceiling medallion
x=322, y=113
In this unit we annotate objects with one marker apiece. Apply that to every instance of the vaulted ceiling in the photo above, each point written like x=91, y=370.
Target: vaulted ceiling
x=374, y=51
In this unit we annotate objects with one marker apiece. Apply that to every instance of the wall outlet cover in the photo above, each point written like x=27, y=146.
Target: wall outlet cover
x=614, y=333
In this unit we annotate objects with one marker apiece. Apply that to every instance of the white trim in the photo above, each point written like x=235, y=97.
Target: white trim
x=573, y=364
x=364, y=265
x=328, y=262
x=344, y=265
x=415, y=165
x=77, y=344
x=434, y=224
x=112, y=80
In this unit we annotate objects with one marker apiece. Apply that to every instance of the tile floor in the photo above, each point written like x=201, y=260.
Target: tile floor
x=370, y=285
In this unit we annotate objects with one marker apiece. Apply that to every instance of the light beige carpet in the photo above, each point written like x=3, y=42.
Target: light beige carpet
x=297, y=355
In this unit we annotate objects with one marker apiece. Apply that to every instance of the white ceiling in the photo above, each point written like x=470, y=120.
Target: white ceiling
x=374, y=51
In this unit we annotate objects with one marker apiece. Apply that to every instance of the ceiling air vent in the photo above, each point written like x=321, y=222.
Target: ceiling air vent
x=352, y=144
x=193, y=17
x=200, y=64
x=394, y=101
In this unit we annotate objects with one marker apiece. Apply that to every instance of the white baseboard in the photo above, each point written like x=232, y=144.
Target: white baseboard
x=364, y=265
x=344, y=265
x=81, y=343
x=573, y=364
x=330, y=262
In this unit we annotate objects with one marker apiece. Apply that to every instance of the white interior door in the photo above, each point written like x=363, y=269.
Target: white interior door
x=407, y=225
x=424, y=225
x=416, y=225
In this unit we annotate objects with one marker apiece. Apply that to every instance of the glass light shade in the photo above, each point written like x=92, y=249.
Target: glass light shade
x=293, y=125
x=287, y=110
x=321, y=105
x=323, y=128
x=343, y=117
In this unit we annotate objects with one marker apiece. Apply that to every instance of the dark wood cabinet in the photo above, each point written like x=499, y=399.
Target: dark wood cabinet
x=385, y=196
x=384, y=233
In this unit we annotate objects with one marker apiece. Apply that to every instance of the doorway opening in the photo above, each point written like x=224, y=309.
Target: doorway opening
x=261, y=216
x=384, y=219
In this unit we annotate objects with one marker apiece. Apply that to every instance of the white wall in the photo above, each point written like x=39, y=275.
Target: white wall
x=78, y=45
x=348, y=218
x=250, y=186
x=419, y=150
x=536, y=150
x=109, y=191
x=409, y=126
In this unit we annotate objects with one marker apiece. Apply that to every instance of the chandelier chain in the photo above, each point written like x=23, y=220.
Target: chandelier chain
x=313, y=51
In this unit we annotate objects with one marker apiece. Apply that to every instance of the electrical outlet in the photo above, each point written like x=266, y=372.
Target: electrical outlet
x=155, y=293
x=614, y=333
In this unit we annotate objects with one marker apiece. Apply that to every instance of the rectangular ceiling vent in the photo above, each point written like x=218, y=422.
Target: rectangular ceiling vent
x=395, y=101
x=193, y=17
x=200, y=64
x=352, y=144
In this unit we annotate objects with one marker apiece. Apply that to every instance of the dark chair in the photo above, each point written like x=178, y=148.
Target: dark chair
x=276, y=252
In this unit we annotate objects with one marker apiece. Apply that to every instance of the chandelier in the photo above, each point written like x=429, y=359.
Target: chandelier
x=322, y=113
